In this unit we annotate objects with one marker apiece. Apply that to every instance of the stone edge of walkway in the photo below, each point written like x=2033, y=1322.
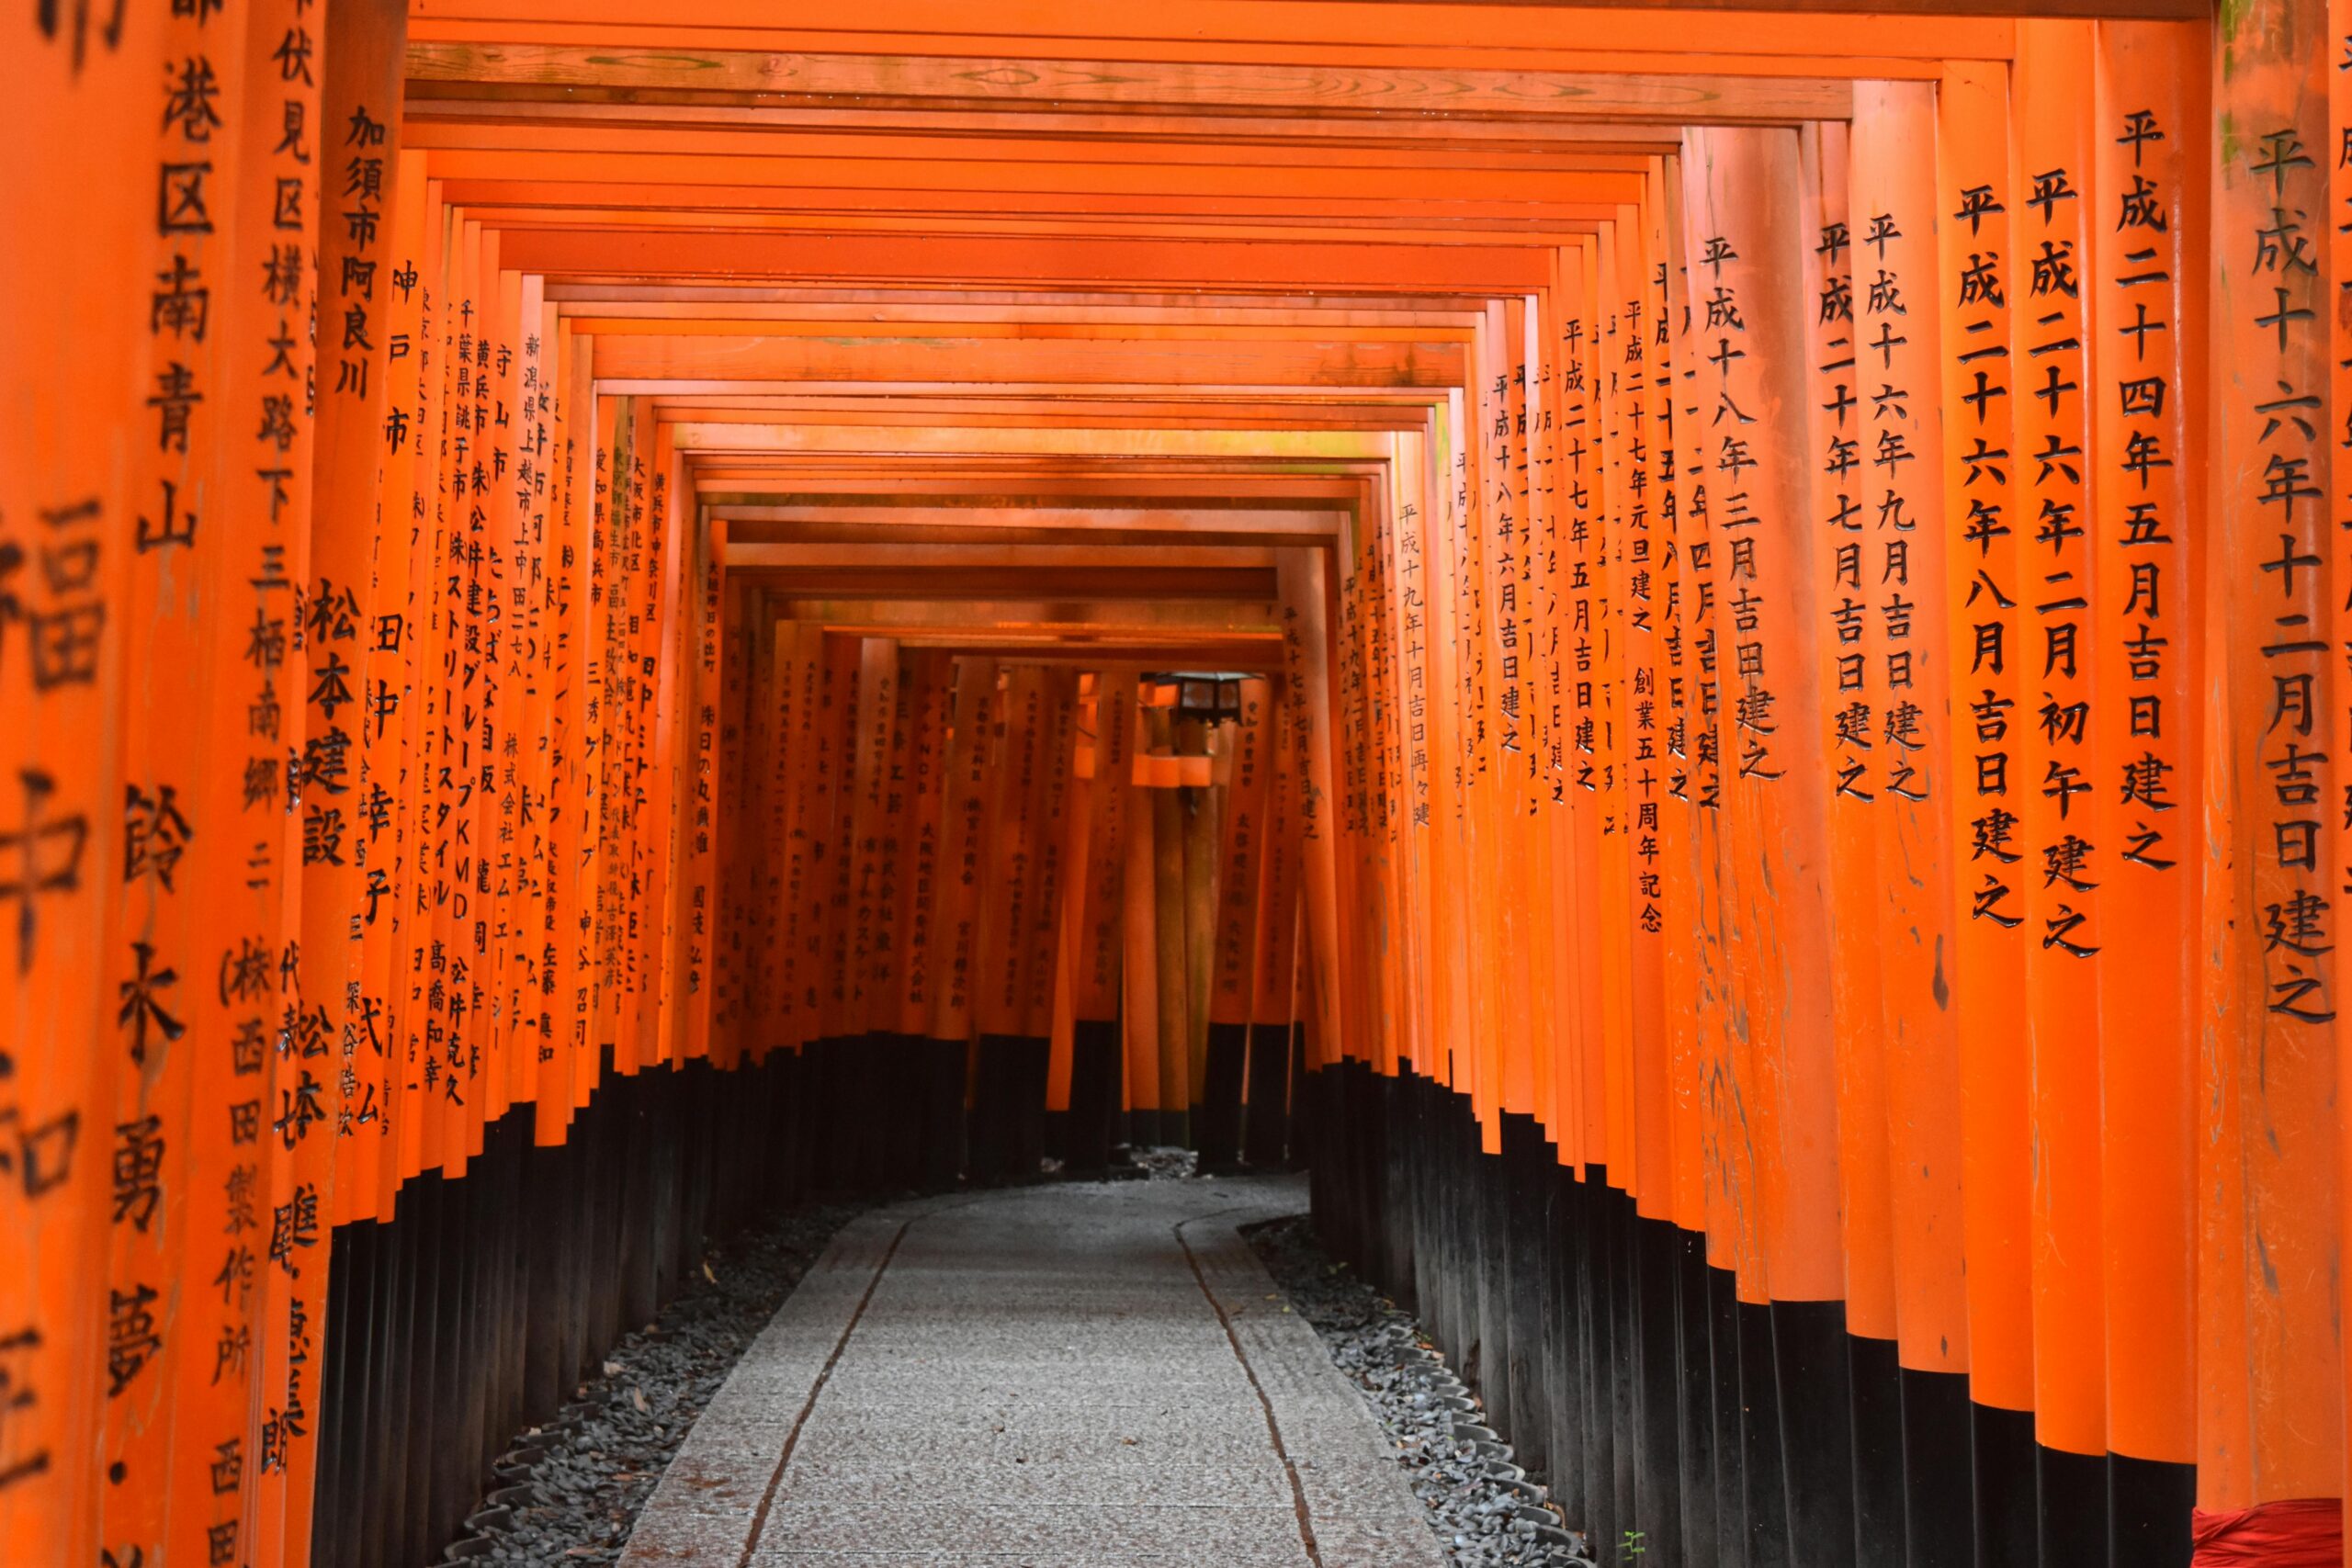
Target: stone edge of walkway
x=1359, y=1502
x=710, y=1504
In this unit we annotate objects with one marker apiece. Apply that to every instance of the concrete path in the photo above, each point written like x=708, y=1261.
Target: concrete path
x=1048, y=1377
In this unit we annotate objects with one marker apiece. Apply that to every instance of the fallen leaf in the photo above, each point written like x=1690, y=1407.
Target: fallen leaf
x=707, y=1274
x=612, y=1369
x=637, y=1397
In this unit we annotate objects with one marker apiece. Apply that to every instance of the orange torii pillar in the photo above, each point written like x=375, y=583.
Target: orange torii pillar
x=1097, y=943
x=1246, y=761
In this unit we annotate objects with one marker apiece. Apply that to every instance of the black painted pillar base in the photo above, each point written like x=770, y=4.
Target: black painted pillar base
x=1266, y=1130
x=1095, y=1060
x=938, y=1090
x=1216, y=1119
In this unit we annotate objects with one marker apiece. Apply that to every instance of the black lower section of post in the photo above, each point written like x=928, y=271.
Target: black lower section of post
x=1095, y=1074
x=1216, y=1119
x=1674, y=1422
x=476, y=1307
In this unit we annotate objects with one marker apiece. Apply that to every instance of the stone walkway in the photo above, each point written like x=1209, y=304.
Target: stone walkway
x=1067, y=1376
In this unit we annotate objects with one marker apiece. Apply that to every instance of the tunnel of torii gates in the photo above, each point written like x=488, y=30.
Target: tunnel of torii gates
x=1700, y=653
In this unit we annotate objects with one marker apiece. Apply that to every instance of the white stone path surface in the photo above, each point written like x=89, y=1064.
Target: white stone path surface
x=1067, y=1376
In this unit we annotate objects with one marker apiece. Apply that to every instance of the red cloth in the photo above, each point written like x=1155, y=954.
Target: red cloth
x=2296, y=1532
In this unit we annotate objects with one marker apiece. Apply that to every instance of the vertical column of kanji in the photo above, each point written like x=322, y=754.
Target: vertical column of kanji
x=1893, y=176
x=1059, y=744
x=681, y=728
x=1010, y=853
x=283, y=58
x=1533, y=429
x=600, y=430
x=423, y=640
x=698, y=777
x=961, y=849
x=870, y=764
x=97, y=313
x=1407, y=583
x=1975, y=274
x=772, y=644
x=800, y=678
x=491, y=518
x=1406, y=607
x=1368, y=886
x=1540, y=575
x=563, y=618
x=837, y=816
x=2271, y=1393
x=728, y=816
x=1452, y=903
x=1618, y=345
x=412, y=436
x=1626, y=407
x=478, y=503
x=1391, y=965
x=346, y=864
x=1690, y=967
x=537, y=497
x=885, y=981
x=166, y=1160
x=677, y=664
x=1455, y=607
x=1481, y=918
x=1747, y=207
x=1850, y=689
x=1649, y=524
x=1691, y=963
x=740, y=829
x=636, y=1038
x=570, y=634
x=661, y=663
x=774, y=647
x=584, y=436
x=608, y=722
x=1501, y=545
x=617, y=556
x=510, y=661
x=808, y=760
x=1302, y=579
x=2198, y=411
x=872, y=999
x=2145, y=260
x=1077, y=876
x=920, y=818
x=1391, y=976
x=451, y=989
x=1583, y=487
x=389, y=675
x=360, y=51
x=837, y=1022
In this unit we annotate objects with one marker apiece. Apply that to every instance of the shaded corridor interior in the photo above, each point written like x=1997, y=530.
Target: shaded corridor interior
x=1696, y=653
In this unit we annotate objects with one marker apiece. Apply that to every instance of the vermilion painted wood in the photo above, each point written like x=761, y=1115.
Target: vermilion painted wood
x=2062, y=998
x=2147, y=1113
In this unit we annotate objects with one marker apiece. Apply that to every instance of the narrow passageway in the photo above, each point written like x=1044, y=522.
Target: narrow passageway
x=1694, y=651
x=1076, y=1376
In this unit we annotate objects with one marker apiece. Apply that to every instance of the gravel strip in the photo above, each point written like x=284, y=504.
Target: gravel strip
x=569, y=1492
x=1166, y=1162
x=1484, y=1509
